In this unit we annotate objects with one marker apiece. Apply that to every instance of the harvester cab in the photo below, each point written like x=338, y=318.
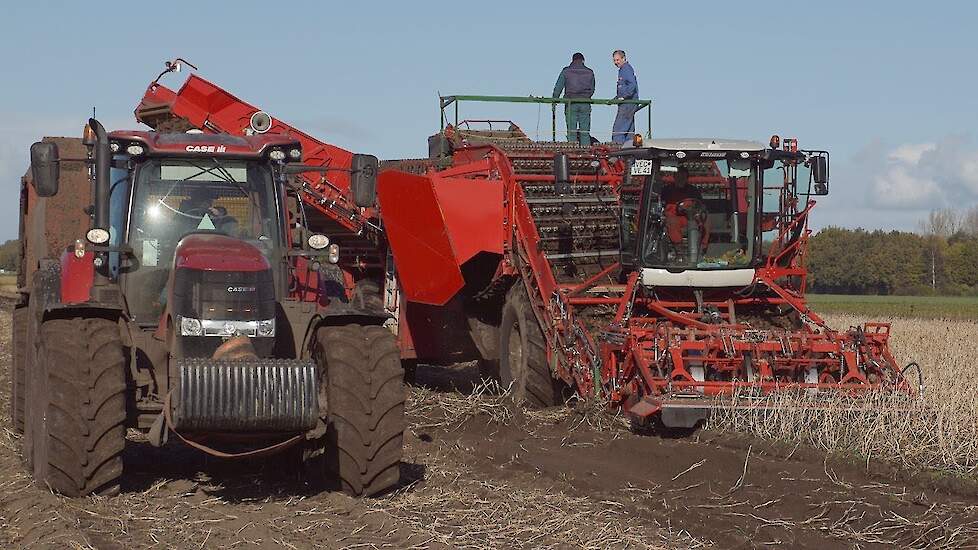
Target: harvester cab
x=715, y=206
x=661, y=275
x=197, y=302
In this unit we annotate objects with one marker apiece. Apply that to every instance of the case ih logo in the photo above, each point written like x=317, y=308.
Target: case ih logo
x=206, y=148
x=233, y=289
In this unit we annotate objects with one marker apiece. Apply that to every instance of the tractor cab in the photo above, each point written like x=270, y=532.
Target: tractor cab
x=198, y=202
x=708, y=212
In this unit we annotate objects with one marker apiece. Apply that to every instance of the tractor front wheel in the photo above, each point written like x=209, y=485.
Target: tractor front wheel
x=364, y=408
x=81, y=379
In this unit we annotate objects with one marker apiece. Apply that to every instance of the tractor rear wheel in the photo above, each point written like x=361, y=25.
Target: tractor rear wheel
x=81, y=384
x=18, y=368
x=365, y=395
x=523, y=366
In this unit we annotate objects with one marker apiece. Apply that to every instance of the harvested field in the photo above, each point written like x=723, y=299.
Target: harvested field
x=480, y=474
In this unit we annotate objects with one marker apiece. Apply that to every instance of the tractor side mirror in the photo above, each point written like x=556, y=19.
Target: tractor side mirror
x=45, y=168
x=820, y=175
x=364, y=180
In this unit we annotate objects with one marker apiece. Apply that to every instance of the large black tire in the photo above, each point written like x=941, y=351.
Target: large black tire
x=523, y=366
x=81, y=384
x=365, y=395
x=18, y=368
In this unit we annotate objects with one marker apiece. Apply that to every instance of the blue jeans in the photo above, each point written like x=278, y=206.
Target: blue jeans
x=624, y=126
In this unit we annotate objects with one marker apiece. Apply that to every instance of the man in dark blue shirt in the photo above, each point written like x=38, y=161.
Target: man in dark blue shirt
x=577, y=81
x=624, y=125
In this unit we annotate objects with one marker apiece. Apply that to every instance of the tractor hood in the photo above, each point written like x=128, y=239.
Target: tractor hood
x=215, y=252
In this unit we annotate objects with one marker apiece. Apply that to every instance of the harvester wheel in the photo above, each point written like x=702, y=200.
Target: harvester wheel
x=82, y=382
x=18, y=368
x=523, y=364
x=364, y=415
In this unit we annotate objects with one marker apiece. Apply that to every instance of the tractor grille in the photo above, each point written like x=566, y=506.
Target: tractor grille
x=247, y=395
x=224, y=295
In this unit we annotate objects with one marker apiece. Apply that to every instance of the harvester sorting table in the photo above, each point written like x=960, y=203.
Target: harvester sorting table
x=661, y=275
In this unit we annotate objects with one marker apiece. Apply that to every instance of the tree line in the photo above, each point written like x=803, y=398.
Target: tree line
x=941, y=257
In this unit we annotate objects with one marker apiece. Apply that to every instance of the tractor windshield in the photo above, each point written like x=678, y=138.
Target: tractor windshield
x=175, y=197
x=699, y=214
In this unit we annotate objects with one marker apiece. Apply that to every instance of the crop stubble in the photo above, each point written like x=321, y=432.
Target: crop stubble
x=479, y=473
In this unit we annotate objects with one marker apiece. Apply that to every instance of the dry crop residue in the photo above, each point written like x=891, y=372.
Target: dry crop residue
x=480, y=474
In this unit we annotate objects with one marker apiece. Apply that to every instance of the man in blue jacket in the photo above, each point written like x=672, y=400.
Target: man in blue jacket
x=624, y=126
x=577, y=81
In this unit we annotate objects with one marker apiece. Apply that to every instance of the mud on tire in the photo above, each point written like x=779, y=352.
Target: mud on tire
x=82, y=382
x=523, y=363
x=18, y=368
x=365, y=395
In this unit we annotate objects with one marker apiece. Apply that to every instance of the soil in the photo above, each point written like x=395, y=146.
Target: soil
x=480, y=473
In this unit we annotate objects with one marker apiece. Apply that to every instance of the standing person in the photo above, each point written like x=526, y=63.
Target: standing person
x=624, y=125
x=577, y=81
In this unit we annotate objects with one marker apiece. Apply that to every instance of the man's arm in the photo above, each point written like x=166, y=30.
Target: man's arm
x=590, y=91
x=559, y=86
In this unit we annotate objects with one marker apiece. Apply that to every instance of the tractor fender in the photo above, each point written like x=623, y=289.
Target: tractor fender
x=77, y=276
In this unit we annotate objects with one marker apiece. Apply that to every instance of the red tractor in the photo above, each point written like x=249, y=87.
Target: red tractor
x=660, y=276
x=171, y=284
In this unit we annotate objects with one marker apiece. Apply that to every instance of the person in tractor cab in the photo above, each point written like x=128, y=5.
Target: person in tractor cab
x=680, y=200
x=198, y=212
x=576, y=81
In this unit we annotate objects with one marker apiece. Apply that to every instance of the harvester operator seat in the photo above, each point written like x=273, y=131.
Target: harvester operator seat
x=683, y=204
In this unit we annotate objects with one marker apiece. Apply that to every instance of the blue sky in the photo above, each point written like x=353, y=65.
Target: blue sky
x=890, y=88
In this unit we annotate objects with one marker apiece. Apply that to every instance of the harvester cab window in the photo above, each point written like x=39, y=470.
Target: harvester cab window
x=782, y=183
x=699, y=215
x=177, y=197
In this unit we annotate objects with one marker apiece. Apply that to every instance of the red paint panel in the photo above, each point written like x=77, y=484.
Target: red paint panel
x=219, y=253
x=437, y=224
x=426, y=264
x=77, y=277
x=473, y=213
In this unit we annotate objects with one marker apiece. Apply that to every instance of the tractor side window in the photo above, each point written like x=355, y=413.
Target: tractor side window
x=118, y=200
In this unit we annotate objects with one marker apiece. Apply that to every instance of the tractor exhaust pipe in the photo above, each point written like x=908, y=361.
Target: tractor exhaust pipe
x=103, y=163
x=694, y=240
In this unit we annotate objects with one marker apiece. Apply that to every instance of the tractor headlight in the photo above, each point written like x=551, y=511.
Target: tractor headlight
x=97, y=235
x=135, y=150
x=277, y=154
x=190, y=327
x=295, y=154
x=318, y=241
x=266, y=327
x=333, y=253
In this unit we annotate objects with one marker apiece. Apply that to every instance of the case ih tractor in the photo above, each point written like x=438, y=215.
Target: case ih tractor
x=171, y=284
x=660, y=276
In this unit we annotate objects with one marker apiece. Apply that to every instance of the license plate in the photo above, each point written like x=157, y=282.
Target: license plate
x=642, y=167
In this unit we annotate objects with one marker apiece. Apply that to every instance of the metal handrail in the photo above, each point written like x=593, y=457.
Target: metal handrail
x=447, y=100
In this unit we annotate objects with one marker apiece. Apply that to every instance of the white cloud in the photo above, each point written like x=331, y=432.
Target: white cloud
x=911, y=153
x=928, y=175
x=899, y=188
x=894, y=186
